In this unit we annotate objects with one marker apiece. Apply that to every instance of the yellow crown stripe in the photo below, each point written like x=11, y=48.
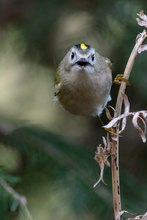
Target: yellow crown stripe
x=83, y=46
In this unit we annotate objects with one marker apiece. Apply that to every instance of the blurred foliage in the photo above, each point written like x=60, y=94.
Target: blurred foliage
x=62, y=174
x=46, y=153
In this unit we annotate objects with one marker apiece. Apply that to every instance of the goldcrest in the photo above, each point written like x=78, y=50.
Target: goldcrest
x=83, y=81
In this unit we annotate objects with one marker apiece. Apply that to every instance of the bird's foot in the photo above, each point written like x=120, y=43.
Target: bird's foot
x=120, y=78
x=110, y=131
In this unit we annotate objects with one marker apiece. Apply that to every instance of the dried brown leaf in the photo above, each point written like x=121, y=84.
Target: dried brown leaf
x=142, y=20
x=135, y=120
x=122, y=117
x=101, y=157
x=139, y=121
x=121, y=213
x=114, y=121
x=141, y=217
x=126, y=112
x=142, y=48
x=108, y=115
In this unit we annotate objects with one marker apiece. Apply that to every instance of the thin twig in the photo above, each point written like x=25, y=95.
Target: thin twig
x=19, y=198
x=115, y=138
x=141, y=37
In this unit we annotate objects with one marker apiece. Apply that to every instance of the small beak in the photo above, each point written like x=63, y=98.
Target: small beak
x=82, y=62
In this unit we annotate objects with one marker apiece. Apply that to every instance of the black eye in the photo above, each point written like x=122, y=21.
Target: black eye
x=72, y=55
x=92, y=57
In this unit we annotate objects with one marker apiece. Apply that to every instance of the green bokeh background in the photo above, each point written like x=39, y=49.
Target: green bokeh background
x=47, y=153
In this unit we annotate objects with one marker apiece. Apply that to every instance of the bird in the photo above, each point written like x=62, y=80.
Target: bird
x=83, y=81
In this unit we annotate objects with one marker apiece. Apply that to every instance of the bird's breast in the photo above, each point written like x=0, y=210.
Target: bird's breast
x=84, y=94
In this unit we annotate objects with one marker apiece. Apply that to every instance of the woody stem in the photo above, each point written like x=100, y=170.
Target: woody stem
x=115, y=139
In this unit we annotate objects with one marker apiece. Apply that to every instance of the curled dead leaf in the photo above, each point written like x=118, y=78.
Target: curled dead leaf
x=142, y=20
x=108, y=115
x=140, y=118
x=142, y=48
x=139, y=121
x=122, y=118
x=141, y=217
x=101, y=157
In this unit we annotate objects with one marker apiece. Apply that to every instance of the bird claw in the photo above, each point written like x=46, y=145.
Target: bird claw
x=110, y=131
x=120, y=78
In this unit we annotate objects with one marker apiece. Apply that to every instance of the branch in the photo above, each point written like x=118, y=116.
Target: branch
x=115, y=138
x=118, y=123
x=19, y=198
